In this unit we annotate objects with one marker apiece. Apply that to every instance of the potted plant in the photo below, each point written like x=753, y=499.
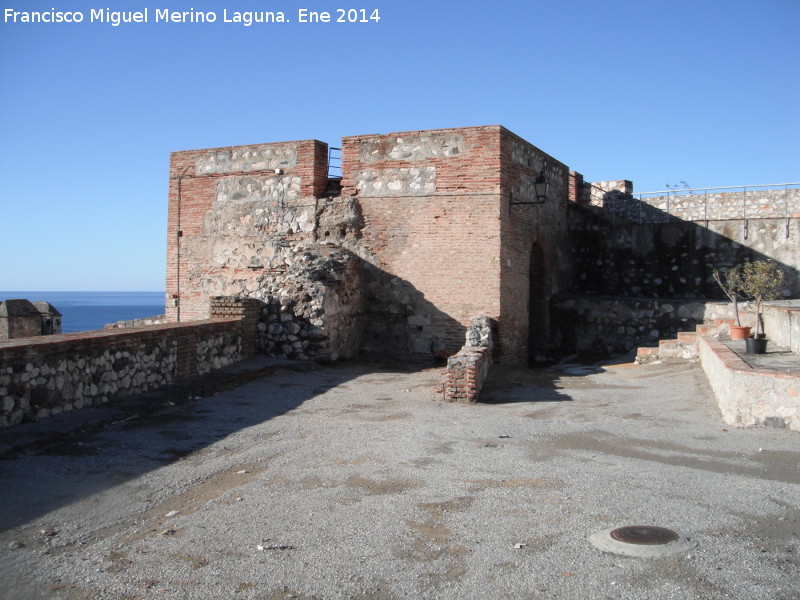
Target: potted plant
x=762, y=280
x=731, y=284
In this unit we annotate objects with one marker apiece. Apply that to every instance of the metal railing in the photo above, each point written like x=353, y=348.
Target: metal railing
x=334, y=163
x=697, y=191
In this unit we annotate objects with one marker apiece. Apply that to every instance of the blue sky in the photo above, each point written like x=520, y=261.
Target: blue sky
x=702, y=91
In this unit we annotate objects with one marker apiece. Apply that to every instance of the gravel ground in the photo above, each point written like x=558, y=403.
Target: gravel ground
x=356, y=481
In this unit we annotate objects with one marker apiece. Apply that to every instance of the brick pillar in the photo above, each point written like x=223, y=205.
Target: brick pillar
x=575, y=187
x=246, y=309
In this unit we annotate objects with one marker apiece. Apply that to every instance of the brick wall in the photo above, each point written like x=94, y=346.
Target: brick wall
x=246, y=311
x=577, y=192
x=533, y=241
x=431, y=210
x=226, y=225
x=437, y=218
x=40, y=377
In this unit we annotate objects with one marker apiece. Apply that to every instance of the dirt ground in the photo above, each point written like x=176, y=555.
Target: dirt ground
x=357, y=481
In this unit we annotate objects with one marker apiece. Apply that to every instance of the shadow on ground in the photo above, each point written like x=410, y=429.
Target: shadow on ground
x=74, y=455
x=508, y=384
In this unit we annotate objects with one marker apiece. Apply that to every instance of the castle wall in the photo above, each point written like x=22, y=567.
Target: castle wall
x=668, y=246
x=428, y=232
x=428, y=212
x=667, y=257
x=758, y=203
x=444, y=239
x=639, y=262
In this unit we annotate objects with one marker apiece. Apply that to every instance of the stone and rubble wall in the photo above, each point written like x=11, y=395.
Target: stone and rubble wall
x=40, y=377
x=314, y=310
x=773, y=203
x=589, y=324
x=254, y=224
x=668, y=247
x=613, y=257
x=606, y=193
x=634, y=258
x=782, y=324
x=781, y=319
x=468, y=369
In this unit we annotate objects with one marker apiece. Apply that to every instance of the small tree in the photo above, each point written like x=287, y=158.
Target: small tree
x=731, y=283
x=763, y=281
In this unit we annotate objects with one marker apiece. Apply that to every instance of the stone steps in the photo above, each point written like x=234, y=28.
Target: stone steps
x=684, y=346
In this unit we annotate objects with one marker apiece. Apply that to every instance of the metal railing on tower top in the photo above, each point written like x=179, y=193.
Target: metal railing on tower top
x=334, y=163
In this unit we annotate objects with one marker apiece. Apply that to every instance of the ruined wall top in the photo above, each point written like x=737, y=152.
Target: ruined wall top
x=488, y=159
x=422, y=163
x=304, y=159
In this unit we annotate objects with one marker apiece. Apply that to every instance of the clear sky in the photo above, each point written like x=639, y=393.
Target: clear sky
x=701, y=91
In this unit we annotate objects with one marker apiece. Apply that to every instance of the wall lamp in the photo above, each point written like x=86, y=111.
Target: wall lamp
x=541, y=189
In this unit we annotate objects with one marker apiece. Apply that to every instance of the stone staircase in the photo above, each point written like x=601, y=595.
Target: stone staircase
x=684, y=346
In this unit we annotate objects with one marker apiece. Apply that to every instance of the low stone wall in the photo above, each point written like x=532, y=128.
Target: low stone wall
x=747, y=397
x=782, y=324
x=468, y=369
x=40, y=377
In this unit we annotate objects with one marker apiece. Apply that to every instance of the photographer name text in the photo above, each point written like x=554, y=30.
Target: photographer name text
x=246, y=18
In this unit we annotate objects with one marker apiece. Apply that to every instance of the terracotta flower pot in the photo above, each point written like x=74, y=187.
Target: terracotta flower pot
x=739, y=333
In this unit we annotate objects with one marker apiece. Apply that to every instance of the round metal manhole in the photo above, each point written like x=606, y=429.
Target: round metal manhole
x=644, y=535
x=643, y=541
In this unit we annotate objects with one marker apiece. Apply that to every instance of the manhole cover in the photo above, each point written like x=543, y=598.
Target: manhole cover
x=643, y=541
x=645, y=535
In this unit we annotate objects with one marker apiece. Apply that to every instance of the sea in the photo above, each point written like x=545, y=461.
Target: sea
x=88, y=311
